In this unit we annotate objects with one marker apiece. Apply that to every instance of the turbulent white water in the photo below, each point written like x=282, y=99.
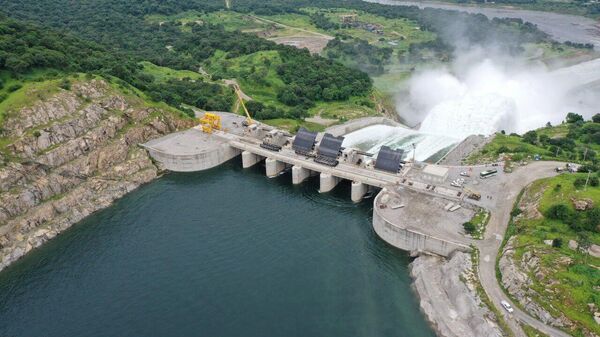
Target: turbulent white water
x=372, y=138
x=486, y=96
x=482, y=98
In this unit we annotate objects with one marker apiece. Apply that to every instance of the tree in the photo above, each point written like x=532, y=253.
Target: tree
x=530, y=137
x=593, y=219
x=469, y=227
x=559, y=212
x=596, y=118
x=583, y=244
x=574, y=118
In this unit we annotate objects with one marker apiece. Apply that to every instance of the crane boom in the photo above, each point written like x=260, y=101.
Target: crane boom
x=238, y=92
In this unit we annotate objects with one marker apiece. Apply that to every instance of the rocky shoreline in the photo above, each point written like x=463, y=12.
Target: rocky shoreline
x=448, y=296
x=69, y=155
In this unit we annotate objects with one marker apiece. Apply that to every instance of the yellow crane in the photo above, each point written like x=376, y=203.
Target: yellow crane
x=238, y=92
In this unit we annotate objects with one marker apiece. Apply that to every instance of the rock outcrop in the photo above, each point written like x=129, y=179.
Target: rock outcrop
x=69, y=155
x=517, y=281
x=449, y=299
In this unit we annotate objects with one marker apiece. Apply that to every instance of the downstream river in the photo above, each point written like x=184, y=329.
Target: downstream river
x=226, y=252
x=562, y=27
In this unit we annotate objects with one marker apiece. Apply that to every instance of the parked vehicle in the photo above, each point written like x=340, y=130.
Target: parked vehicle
x=488, y=173
x=507, y=306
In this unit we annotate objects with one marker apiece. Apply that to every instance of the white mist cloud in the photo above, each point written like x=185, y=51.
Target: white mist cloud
x=478, y=95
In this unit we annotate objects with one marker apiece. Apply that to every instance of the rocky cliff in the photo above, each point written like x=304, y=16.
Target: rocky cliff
x=449, y=299
x=69, y=154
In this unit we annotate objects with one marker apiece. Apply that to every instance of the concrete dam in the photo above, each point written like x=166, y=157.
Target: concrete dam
x=415, y=209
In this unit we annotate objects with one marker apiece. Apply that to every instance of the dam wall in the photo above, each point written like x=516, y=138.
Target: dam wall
x=399, y=236
x=203, y=158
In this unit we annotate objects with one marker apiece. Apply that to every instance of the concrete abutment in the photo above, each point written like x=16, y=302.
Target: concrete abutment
x=250, y=159
x=358, y=191
x=327, y=182
x=300, y=174
x=274, y=167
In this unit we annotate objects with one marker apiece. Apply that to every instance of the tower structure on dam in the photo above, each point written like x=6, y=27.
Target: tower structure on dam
x=409, y=212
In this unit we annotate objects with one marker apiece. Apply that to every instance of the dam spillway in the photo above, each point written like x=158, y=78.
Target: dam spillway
x=195, y=150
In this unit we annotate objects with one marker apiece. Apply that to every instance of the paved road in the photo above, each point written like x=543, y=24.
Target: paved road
x=501, y=205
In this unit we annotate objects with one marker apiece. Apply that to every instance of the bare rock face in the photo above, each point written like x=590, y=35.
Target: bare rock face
x=71, y=155
x=517, y=280
x=582, y=204
x=449, y=299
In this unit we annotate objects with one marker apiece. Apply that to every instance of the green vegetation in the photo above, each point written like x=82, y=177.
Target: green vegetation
x=577, y=141
x=287, y=87
x=476, y=226
x=532, y=332
x=293, y=125
x=567, y=277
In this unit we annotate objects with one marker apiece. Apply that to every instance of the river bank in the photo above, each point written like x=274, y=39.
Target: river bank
x=71, y=153
x=448, y=296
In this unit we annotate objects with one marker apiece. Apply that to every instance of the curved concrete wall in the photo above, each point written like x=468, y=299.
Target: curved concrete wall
x=405, y=239
x=196, y=162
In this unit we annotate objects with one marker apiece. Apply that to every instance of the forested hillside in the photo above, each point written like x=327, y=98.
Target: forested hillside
x=121, y=27
x=113, y=38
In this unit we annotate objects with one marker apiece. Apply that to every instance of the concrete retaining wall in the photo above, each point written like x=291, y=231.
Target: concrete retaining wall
x=197, y=162
x=409, y=240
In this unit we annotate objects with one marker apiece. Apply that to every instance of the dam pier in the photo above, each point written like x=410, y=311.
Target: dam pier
x=415, y=208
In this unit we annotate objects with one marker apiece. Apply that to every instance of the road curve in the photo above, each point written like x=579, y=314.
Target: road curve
x=511, y=186
x=561, y=27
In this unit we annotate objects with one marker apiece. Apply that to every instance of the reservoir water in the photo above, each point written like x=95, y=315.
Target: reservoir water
x=226, y=252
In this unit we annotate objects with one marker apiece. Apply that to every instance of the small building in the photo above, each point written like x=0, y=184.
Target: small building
x=435, y=174
x=349, y=19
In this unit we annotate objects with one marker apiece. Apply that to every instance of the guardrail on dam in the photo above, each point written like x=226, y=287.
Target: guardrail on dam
x=195, y=150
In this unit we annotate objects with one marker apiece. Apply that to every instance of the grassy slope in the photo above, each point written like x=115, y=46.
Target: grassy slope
x=163, y=73
x=518, y=148
x=576, y=281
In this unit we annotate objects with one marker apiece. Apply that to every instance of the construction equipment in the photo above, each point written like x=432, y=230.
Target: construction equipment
x=238, y=92
x=472, y=194
x=210, y=122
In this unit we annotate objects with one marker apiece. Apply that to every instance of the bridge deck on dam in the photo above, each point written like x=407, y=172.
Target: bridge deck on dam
x=421, y=223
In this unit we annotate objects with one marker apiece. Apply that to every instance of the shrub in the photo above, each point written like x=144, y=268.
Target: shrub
x=516, y=211
x=579, y=182
x=14, y=87
x=594, y=181
x=559, y=212
x=502, y=149
x=65, y=84
x=469, y=227
x=557, y=243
